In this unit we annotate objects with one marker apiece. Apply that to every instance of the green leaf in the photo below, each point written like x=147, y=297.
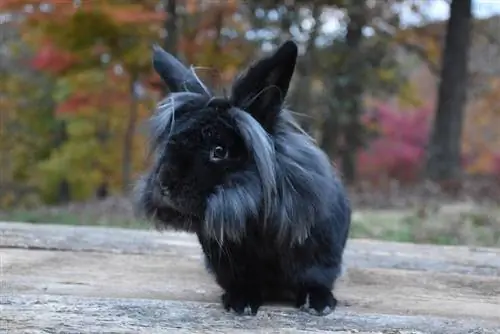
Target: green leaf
x=62, y=90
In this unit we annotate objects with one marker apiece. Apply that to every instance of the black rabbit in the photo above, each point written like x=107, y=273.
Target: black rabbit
x=270, y=213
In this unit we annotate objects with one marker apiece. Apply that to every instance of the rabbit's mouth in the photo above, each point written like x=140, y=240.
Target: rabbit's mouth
x=165, y=199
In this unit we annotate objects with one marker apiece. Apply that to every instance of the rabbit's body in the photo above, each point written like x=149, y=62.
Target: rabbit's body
x=269, y=211
x=256, y=270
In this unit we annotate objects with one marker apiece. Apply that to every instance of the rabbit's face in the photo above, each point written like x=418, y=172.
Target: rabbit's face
x=202, y=149
x=215, y=157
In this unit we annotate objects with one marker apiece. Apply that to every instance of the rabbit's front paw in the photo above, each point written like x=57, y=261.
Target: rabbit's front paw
x=241, y=302
x=317, y=301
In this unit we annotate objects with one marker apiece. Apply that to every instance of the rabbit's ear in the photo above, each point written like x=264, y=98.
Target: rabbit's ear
x=177, y=76
x=262, y=89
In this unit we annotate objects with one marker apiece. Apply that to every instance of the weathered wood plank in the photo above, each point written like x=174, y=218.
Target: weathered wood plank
x=88, y=279
x=359, y=253
x=69, y=314
x=181, y=276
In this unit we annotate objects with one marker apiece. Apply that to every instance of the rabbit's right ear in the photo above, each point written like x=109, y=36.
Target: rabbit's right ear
x=262, y=89
x=177, y=76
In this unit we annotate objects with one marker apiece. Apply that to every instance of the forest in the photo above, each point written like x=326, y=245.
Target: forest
x=407, y=109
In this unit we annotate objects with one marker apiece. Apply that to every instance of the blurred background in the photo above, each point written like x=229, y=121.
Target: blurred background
x=404, y=96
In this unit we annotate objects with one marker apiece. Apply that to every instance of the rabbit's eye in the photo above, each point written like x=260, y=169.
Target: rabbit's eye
x=219, y=153
x=206, y=133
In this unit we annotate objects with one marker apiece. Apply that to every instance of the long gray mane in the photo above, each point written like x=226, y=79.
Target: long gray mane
x=288, y=186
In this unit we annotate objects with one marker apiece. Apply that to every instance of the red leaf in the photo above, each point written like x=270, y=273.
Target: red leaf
x=53, y=60
x=399, y=151
x=72, y=104
x=496, y=165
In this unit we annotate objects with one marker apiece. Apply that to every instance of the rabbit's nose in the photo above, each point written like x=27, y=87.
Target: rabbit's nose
x=163, y=189
x=162, y=186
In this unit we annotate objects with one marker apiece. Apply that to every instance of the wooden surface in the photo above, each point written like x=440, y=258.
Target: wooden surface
x=61, y=279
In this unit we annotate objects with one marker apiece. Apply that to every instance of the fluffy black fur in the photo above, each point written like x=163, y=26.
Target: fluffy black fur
x=269, y=211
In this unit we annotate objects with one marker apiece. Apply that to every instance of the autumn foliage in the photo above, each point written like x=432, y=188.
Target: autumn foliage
x=96, y=57
x=496, y=165
x=398, y=150
x=52, y=59
x=82, y=86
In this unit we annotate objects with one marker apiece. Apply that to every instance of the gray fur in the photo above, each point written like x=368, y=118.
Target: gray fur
x=295, y=178
x=289, y=185
x=264, y=200
x=261, y=146
x=205, y=89
x=175, y=74
x=305, y=178
x=163, y=121
x=231, y=205
x=151, y=204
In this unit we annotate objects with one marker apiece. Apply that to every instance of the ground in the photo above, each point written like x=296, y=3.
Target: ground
x=86, y=279
x=415, y=218
x=94, y=279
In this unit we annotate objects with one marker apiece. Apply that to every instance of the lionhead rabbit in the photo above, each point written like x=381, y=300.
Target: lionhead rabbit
x=270, y=213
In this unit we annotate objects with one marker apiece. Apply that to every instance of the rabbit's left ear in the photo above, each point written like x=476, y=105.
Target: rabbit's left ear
x=177, y=76
x=263, y=88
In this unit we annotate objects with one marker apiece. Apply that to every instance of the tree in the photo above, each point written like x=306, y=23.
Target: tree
x=171, y=31
x=347, y=89
x=301, y=97
x=28, y=129
x=97, y=57
x=335, y=72
x=357, y=66
x=444, y=150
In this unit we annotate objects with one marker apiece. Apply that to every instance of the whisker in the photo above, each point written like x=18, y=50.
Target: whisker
x=205, y=88
x=263, y=90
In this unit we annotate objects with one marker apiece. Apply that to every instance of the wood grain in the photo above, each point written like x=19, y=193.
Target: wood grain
x=101, y=280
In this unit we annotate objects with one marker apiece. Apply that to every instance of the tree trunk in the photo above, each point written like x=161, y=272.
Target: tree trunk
x=353, y=129
x=301, y=98
x=129, y=137
x=287, y=20
x=102, y=191
x=170, y=42
x=342, y=130
x=215, y=78
x=103, y=134
x=63, y=188
x=330, y=135
x=444, y=154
